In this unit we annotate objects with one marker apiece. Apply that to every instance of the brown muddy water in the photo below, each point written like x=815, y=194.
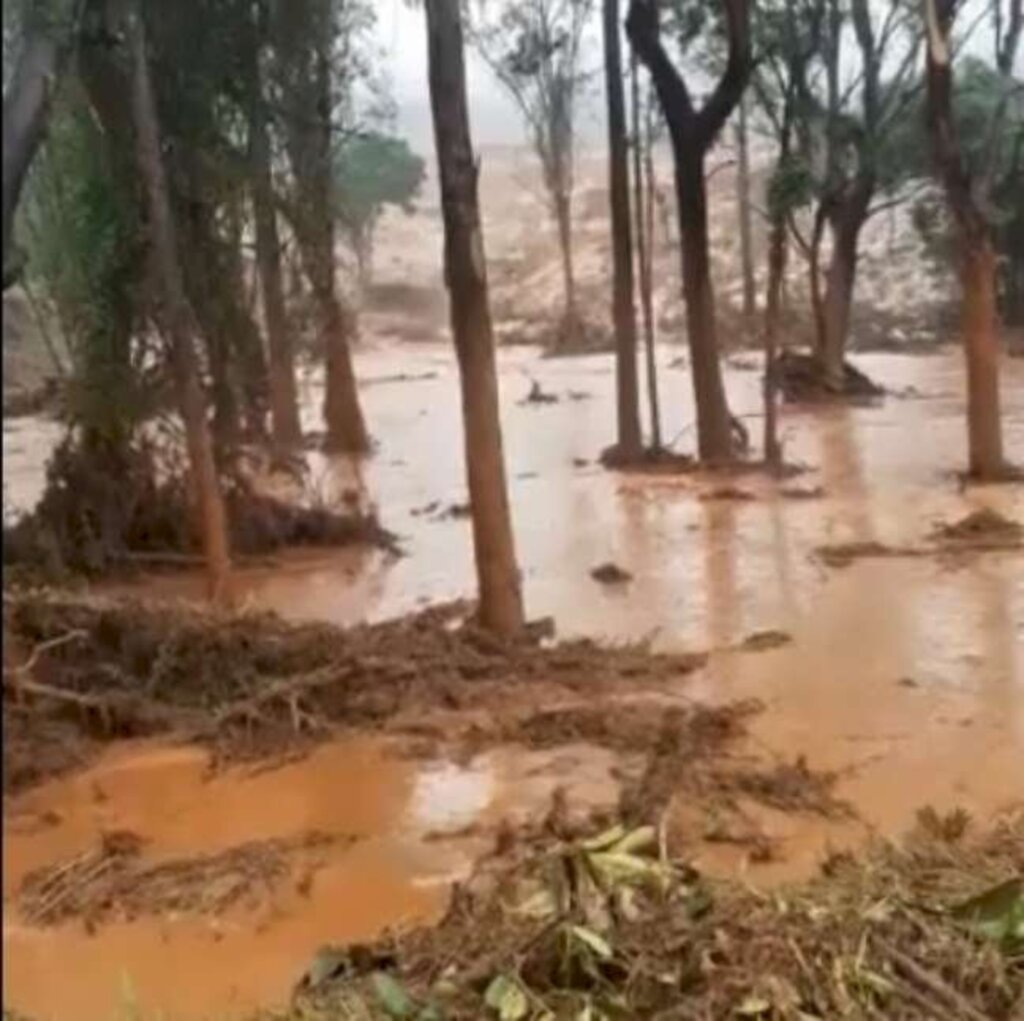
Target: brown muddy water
x=905, y=675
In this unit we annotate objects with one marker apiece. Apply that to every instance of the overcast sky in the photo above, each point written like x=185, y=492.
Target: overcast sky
x=402, y=36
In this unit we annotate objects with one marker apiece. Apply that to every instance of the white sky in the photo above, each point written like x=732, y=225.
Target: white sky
x=401, y=35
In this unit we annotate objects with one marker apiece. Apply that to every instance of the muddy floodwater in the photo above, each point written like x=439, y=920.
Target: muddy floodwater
x=904, y=674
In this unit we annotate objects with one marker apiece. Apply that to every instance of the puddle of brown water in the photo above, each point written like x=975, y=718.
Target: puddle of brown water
x=390, y=870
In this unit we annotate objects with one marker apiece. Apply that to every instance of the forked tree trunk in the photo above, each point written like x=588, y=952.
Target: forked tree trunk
x=178, y=319
x=501, y=603
x=623, y=311
x=284, y=403
x=744, y=213
x=643, y=181
x=692, y=132
x=977, y=255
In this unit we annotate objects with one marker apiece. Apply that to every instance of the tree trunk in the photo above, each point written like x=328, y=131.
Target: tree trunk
x=743, y=209
x=178, y=319
x=776, y=274
x=978, y=261
x=26, y=109
x=714, y=424
x=693, y=131
x=643, y=166
x=571, y=330
x=846, y=222
x=623, y=311
x=307, y=121
x=284, y=403
x=501, y=604
x=814, y=282
x=981, y=347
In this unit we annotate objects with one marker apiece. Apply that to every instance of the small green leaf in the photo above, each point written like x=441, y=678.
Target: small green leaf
x=392, y=996
x=753, y=1006
x=604, y=840
x=598, y=944
x=505, y=996
x=643, y=838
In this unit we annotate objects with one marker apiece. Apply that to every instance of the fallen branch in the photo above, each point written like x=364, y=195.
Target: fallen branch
x=931, y=982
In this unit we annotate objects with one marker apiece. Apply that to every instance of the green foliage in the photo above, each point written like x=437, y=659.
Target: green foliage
x=81, y=235
x=371, y=171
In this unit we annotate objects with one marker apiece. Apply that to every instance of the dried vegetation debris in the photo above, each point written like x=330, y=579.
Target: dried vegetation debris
x=612, y=927
x=250, y=685
x=117, y=882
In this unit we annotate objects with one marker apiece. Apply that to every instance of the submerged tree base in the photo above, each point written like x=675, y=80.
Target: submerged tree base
x=108, y=507
x=801, y=379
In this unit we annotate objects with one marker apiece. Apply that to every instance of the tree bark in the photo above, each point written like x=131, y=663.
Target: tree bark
x=26, y=110
x=571, y=330
x=623, y=312
x=308, y=138
x=692, y=132
x=744, y=213
x=284, y=402
x=501, y=604
x=643, y=172
x=777, y=250
x=846, y=220
x=978, y=262
x=178, y=319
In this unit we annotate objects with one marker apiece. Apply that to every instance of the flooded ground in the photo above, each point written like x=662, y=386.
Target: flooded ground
x=905, y=674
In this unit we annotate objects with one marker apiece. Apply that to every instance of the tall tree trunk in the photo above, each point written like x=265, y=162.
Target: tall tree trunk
x=643, y=170
x=623, y=311
x=814, y=281
x=284, y=402
x=776, y=274
x=977, y=255
x=571, y=329
x=308, y=138
x=846, y=221
x=714, y=423
x=501, y=603
x=26, y=110
x=744, y=212
x=178, y=319
x=693, y=131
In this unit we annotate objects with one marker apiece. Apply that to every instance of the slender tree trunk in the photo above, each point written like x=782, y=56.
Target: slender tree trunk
x=643, y=162
x=26, y=110
x=814, y=282
x=978, y=262
x=714, y=424
x=284, y=403
x=847, y=222
x=308, y=138
x=776, y=274
x=623, y=311
x=501, y=603
x=178, y=319
x=743, y=209
x=571, y=331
